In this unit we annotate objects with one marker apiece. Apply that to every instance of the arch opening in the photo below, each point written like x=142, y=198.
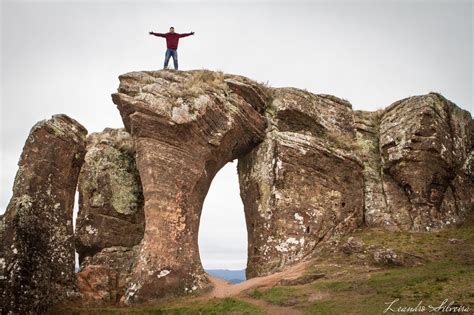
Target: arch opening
x=222, y=235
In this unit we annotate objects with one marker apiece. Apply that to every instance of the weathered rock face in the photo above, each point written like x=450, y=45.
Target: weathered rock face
x=418, y=163
x=103, y=276
x=303, y=184
x=110, y=220
x=376, y=212
x=38, y=236
x=186, y=126
x=310, y=169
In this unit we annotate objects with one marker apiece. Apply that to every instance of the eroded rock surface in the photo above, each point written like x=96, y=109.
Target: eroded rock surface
x=103, y=276
x=38, y=237
x=185, y=126
x=110, y=220
x=310, y=169
x=418, y=157
x=303, y=184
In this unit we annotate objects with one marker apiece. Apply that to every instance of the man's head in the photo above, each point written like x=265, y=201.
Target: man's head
x=171, y=29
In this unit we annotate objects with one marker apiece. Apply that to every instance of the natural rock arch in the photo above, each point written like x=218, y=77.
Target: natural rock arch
x=310, y=170
x=188, y=125
x=183, y=135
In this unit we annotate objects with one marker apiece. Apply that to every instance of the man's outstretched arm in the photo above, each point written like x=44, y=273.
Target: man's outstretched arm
x=186, y=34
x=157, y=34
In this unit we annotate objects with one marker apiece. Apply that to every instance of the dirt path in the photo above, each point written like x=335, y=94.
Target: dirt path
x=223, y=288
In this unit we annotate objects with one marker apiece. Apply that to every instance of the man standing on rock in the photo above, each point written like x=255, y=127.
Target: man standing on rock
x=172, y=40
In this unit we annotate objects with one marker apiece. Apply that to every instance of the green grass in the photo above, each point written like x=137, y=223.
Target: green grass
x=354, y=286
x=324, y=307
x=284, y=296
x=434, y=281
x=334, y=286
x=447, y=272
x=430, y=283
x=228, y=306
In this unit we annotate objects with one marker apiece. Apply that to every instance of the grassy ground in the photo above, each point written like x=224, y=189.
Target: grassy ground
x=182, y=307
x=442, y=268
x=355, y=285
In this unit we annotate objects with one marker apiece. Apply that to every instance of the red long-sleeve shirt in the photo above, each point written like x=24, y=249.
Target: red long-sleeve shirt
x=172, y=39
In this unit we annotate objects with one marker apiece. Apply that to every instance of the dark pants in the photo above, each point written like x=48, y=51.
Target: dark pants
x=171, y=53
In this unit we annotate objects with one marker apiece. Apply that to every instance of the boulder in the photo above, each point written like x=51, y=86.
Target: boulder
x=38, y=238
x=387, y=256
x=311, y=170
x=353, y=245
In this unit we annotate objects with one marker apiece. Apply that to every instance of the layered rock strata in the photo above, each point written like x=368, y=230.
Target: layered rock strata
x=310, y=170
x=418, y=169
x=185, y=126
x=303, y=184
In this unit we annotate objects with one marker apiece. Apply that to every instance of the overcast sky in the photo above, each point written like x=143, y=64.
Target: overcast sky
x=64, y=57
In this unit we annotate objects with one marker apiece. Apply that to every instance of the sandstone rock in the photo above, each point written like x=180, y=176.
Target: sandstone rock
x=110, y=194
x=310, y=169
x=103, y=276
x=110, y=220
x=185, y=126
x=304, y=183
x=38, y=236
x=418, y=163
x=376, y=209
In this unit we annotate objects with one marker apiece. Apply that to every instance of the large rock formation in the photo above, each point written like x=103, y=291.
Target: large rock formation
x=38, y=237
x=418, y=163
x=186, y=126
x=310, y=169
x=110, y=221
x=303, y=184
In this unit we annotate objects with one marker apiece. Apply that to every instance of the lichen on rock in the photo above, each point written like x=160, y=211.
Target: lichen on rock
x=110, y=220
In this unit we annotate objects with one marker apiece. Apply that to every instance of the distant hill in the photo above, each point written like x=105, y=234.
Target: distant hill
x=232, y=276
